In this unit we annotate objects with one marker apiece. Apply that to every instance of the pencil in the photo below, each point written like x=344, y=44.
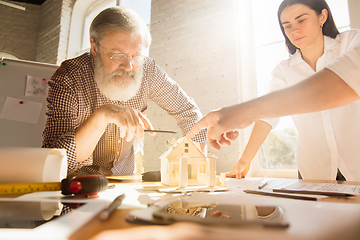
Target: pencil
x=263, y=184
x=104, y=215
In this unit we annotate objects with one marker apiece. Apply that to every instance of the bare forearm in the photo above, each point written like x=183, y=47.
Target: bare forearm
x=130, y=122
x=258, y=135
x=323, y=90
x=87, y=136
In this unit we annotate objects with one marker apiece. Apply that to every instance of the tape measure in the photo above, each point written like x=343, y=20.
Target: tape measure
x=15, y=188
x=77, y=185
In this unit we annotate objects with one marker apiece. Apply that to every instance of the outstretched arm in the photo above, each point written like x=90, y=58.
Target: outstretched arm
x=323, y=90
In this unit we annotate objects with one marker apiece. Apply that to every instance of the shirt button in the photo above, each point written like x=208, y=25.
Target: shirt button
x=117, y=153
x=119, y=141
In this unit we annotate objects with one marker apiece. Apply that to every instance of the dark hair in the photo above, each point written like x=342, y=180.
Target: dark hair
x=329, y=28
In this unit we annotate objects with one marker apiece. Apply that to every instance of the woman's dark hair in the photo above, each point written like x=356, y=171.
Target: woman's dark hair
x=329, y=28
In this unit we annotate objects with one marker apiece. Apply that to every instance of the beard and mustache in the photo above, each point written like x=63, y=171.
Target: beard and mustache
x=117, y=89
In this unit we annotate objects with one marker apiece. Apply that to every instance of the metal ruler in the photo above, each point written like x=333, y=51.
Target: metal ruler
x=15, y=188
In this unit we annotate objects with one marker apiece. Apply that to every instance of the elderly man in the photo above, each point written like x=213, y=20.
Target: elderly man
x=97, y=101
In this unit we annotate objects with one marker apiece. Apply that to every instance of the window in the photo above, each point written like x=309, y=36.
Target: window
x=93, y=12
x=7, y=55
x=277, y=155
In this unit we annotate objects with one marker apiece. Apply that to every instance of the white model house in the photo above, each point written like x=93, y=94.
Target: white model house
x=184, y=164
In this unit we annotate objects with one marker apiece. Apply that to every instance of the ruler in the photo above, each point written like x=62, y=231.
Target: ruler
x=15, y=188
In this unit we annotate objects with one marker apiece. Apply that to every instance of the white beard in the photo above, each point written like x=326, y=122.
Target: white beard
x=116, y=89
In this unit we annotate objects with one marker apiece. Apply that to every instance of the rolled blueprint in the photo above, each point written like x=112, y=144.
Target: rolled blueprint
x=30, y=165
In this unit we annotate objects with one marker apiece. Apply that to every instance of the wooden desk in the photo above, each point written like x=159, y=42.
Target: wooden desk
x=117, y=219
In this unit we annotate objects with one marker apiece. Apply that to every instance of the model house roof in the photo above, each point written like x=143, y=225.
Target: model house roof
x=180, y=145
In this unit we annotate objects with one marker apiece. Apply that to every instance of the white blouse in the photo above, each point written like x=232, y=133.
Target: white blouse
x=329, y=139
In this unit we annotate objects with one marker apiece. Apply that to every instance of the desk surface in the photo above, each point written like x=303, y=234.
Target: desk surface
x=117, y=219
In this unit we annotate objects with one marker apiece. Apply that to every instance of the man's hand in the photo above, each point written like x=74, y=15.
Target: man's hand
x=131, y=122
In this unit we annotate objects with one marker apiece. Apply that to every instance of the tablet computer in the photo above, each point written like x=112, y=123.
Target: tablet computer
x=45, y=219
x=211, y=213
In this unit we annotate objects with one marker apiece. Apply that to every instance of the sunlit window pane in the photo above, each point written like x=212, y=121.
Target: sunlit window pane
x=142, y=7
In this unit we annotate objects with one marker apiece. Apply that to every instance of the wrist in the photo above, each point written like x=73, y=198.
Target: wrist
x=244, y=160
x=100, y=117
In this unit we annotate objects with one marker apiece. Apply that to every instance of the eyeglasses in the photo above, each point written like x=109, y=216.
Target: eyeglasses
x=120, y=58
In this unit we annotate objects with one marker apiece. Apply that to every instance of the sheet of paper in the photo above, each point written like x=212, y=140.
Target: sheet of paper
x=244, y=183
x=328, y=187
x=36, y=86
x=21, y=110
x=253, y=183
x=23, y=165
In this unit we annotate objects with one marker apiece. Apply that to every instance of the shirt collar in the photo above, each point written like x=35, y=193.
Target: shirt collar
x=329, y=43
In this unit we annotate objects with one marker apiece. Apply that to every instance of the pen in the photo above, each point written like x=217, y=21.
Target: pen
x=159, y=131
x=282, y=195
x=262, y=184
x=335, y=194
x=104, y=215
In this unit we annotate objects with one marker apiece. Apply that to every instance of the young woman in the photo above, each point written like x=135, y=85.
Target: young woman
x=328, y=141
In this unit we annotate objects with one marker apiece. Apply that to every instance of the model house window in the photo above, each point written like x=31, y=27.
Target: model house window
x=278, y=151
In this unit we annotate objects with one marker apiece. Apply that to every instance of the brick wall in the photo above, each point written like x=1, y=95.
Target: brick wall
x=54, y=31
x=66, y=11
x=39, y=33
x=18, y=30
x=48, y=34
x=195, y=43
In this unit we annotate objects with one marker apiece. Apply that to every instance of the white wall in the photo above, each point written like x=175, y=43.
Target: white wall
x=354, y=9
x=195, y=42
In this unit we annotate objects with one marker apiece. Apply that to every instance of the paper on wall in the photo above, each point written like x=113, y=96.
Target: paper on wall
x=21, y=110
x=36, y=86
x=25, y=165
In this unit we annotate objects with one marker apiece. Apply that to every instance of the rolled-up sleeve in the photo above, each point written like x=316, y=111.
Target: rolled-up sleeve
x=62, y=119
x=347, y=67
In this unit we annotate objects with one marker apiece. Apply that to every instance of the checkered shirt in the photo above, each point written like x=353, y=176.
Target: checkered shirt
x=74, y=96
